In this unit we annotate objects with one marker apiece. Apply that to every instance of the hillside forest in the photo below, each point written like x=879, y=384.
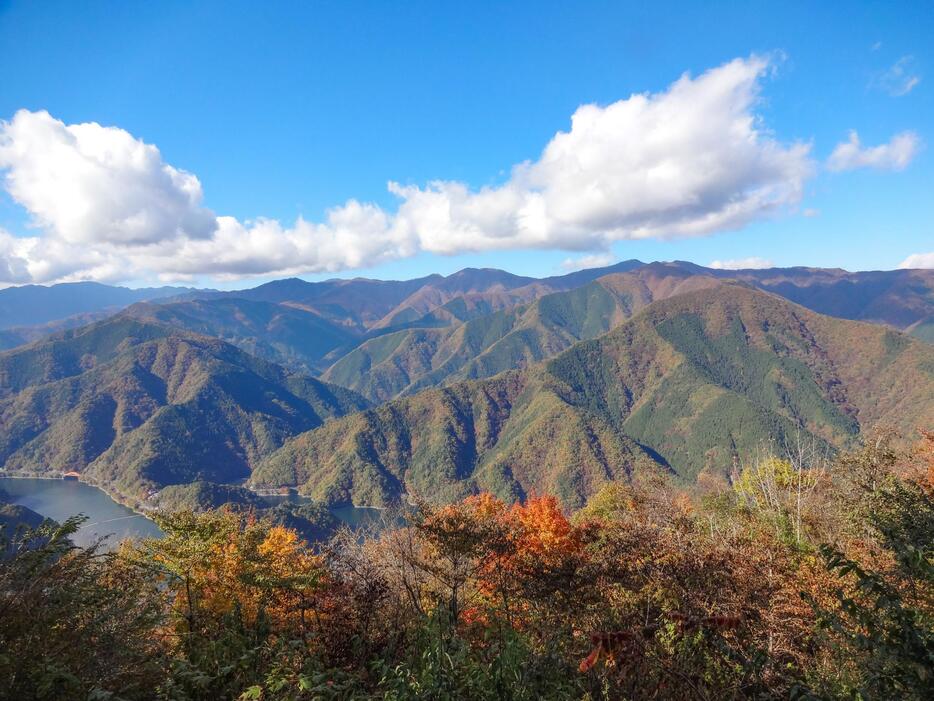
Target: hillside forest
x=803, y=577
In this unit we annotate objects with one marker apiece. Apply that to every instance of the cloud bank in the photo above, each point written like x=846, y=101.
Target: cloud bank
x=895, y=155
x=690, y=161
x=751, y=263
x=918, y=260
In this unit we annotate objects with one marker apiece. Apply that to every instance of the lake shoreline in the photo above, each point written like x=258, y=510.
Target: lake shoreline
x=116, y=498
x=273, y=492
x=61, y=499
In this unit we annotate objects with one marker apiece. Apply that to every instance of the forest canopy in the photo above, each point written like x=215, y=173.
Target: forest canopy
x=800, y=577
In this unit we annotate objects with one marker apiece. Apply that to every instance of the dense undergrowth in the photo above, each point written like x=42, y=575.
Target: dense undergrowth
x=797, y=578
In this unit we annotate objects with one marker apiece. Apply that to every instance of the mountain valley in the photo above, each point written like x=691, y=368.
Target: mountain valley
x=482, y=380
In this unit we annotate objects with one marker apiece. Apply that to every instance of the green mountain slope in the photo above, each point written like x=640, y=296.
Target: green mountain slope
x=689, y=384
x=292, y=337
x=136, y=405
x=406, y=361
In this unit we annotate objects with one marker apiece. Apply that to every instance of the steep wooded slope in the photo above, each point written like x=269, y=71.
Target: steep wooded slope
x=292, y=337
x=691, y=383
x=433, y=354
x=135, y=406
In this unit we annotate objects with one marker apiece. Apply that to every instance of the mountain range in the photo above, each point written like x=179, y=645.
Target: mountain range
x=439, y=350
x=366, y=391
x=691, y=383
x=348, y=312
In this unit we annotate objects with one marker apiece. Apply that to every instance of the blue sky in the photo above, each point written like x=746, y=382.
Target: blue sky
x=288, y=109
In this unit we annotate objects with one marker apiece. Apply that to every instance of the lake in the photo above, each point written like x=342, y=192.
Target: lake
x=353, y=516
x=60, y=499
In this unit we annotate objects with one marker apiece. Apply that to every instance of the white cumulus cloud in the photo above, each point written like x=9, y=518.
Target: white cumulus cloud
x=691, y=160
x=91, y=184
x=918, y=260
x=751, y=263
x=895, y=155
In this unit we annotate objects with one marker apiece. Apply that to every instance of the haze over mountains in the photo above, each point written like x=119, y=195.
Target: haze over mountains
x=477, y=380
x=35, y=305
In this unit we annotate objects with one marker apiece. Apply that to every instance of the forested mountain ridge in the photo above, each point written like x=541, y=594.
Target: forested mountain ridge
x=456, y=341
x=487, y=290
x=689, y=384
x=434, y=354
x=357, y=303
x=72, y=398
x=902, y=299
x=135, y=406
x=16, y=336
x=362, y=309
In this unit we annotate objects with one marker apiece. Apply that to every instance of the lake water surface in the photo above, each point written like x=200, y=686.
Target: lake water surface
x=60, y=499
x=353, y=516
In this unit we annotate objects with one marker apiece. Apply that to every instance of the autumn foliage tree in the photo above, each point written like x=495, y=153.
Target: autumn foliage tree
x=228, y=576
x=796, y=577
x=75, y=623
